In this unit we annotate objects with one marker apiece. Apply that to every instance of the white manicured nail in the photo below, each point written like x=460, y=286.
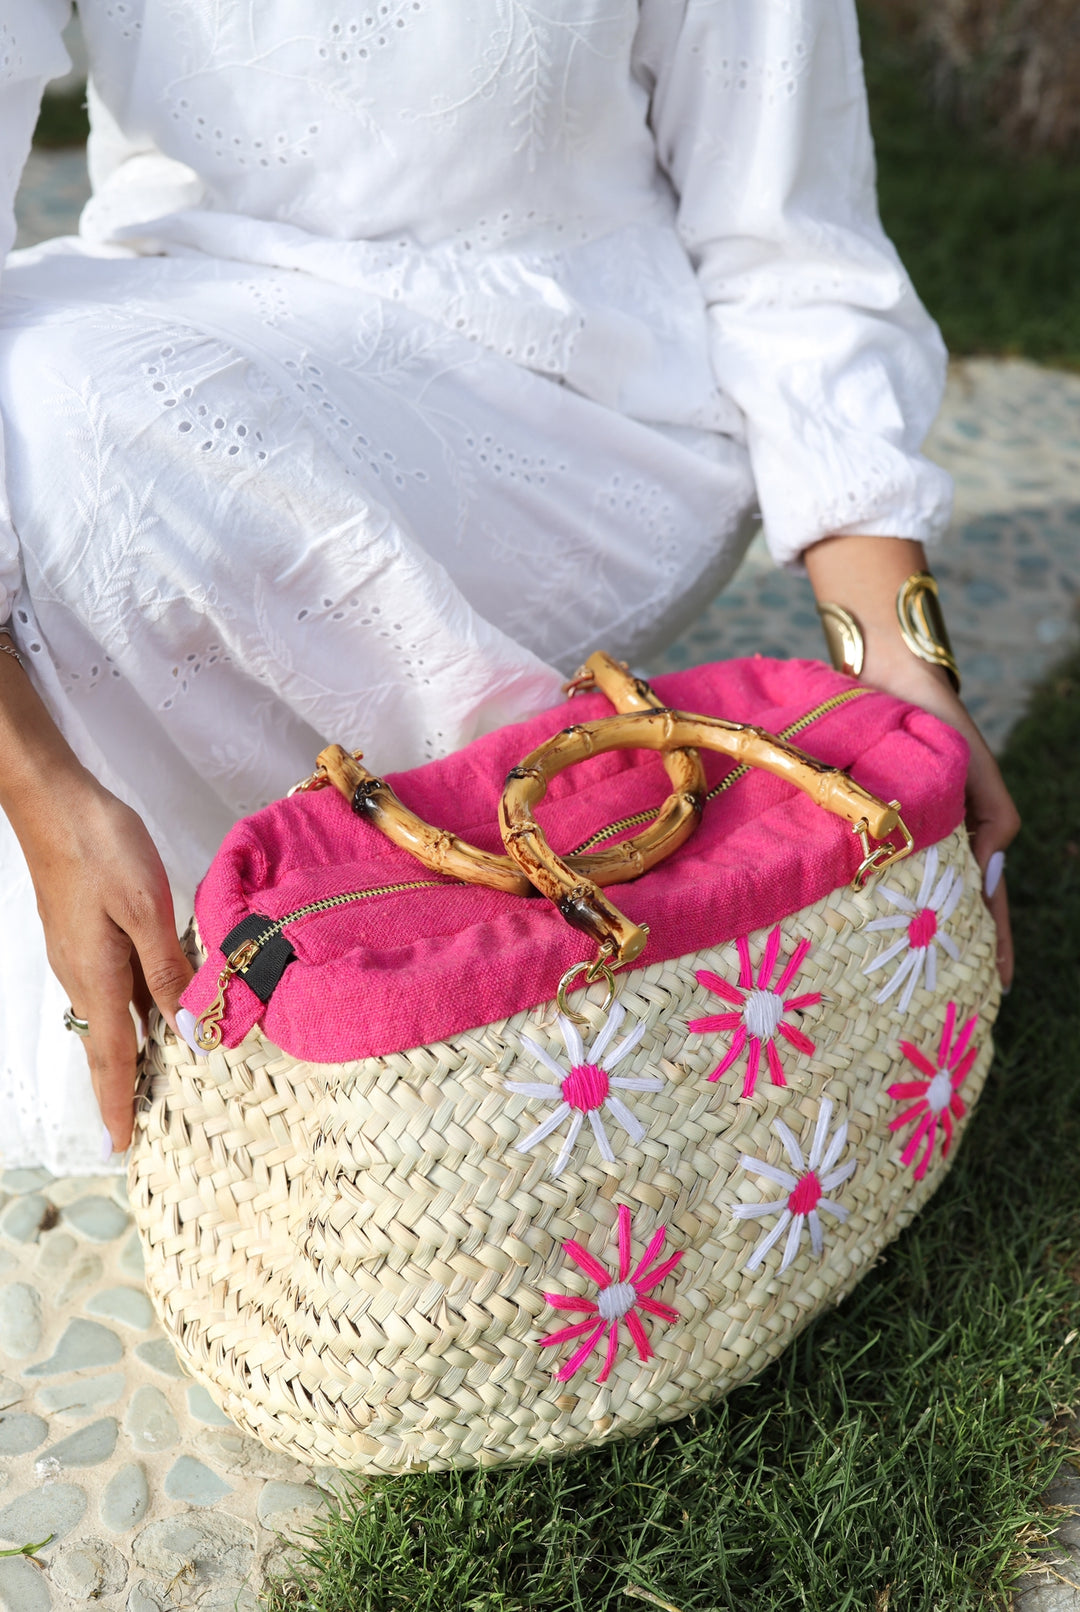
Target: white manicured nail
x=106, y=1145
x=994, y=869
x=185, y=1023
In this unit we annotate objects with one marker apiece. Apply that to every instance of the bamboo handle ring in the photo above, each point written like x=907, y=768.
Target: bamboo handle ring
x=445, y=853
x=579, y=900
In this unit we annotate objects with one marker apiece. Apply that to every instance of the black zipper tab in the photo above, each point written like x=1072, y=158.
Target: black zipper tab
x=270, y=957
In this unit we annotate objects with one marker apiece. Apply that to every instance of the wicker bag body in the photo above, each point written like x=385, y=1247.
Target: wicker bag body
x=539, y=1234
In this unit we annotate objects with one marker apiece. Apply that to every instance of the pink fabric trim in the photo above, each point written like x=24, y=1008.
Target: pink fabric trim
x=385, y=974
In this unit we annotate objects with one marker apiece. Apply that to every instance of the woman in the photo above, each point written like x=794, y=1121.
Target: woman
x=407, y=352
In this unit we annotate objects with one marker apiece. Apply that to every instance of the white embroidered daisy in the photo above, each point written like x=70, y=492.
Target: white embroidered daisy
x=922, y=921
x=805, y=1184
x=586, y=1088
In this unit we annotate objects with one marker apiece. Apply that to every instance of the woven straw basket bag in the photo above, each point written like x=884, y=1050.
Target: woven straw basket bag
x=598, y=1212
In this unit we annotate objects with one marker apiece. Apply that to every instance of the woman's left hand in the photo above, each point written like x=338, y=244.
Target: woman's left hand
x=992, y=820
x=863, y=574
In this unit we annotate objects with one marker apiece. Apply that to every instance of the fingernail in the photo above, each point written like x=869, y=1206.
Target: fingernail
x=106, y=1145
x=994, y=869
x=185, y=1027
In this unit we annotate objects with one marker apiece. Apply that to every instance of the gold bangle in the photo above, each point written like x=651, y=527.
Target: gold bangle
x=843, y=637
x=922, y=624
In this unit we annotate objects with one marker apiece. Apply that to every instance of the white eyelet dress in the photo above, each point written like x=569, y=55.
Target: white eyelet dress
x=407, y=352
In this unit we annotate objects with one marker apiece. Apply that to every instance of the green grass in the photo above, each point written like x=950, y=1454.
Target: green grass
x=991, y=240
x=895, y=1456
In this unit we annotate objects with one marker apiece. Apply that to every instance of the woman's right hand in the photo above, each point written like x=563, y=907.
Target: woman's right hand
x=107, y=911
x=102, y=892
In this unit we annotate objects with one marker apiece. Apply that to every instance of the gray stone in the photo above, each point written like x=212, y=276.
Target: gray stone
x=83, y=1344
x=20, y=1320
x=125, y=1498
x=87, y=1569
x=159, y=1355
x=5, y=1477
x=246, y=1457
x=18, y=1182
x=289, y=1507
x=72, y=1401
x=1066, y=1493
x=212, y=1545
x=54, y=1252
x=146, y=1597
x=131, y=1262
x=231, y=1595
x=149, y=1422
x=69, y=1187
x=21, y=1433
x=191, y=1481
x=124, y=1304
x=22, y=1586
x=10, y=1393
x=82, y=1272
x=88, y=1447
x=202, y=1407
x=97, y=1217
x=120, y=1191
x=54, y=1509
x=25, y=1218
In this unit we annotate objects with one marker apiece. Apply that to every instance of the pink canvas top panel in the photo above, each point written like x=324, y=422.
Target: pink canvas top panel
x=392, y=972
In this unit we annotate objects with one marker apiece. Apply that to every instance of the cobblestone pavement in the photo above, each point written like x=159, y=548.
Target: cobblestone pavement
x=152, y=1500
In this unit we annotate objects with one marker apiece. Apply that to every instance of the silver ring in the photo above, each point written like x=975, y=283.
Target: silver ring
x=73, y=1022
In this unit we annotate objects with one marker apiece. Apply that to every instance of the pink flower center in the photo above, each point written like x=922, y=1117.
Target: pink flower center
x=922, y=928
x=586, y=1087
x=806, y=1196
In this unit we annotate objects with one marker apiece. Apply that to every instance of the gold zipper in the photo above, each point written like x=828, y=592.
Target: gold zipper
x=729, y=778
x=208, y=1024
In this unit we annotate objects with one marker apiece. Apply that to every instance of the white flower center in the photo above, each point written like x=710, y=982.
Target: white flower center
x=762, y=1012
x=939, y=1092
x=614, y=1301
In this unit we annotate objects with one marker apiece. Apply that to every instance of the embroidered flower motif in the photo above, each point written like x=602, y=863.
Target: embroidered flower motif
x=619, y=1299
x=806, y=1189
x=938, y=1096
x=587, y=1088
x=921, y=920
x=761, y=1008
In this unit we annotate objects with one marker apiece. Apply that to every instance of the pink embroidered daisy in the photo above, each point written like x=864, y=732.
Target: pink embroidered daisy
x=761, y=1008
x=587, y=1088
x=922, y=923
x=619, y=1299
x=805, y=1184
x=938, y=1101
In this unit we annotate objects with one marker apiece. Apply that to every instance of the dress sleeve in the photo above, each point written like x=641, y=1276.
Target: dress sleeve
x=760, y=118
x=31, y=53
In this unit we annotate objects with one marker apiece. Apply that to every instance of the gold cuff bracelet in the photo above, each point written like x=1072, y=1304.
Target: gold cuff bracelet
x=922, y=627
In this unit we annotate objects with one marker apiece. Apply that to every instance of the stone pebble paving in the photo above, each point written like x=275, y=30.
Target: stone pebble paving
x=153, y=1500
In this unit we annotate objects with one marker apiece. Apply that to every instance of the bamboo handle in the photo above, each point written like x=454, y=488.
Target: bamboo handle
x=579, y=901
x=445, y=853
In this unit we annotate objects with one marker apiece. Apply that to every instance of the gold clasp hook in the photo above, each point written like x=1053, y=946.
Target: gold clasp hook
x=878, y=857
x=601, y=968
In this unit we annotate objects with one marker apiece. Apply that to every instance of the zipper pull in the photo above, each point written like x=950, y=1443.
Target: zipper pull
x=208, y=1024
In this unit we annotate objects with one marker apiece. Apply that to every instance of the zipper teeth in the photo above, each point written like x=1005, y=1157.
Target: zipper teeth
x=729, y=778
x=329, y=902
